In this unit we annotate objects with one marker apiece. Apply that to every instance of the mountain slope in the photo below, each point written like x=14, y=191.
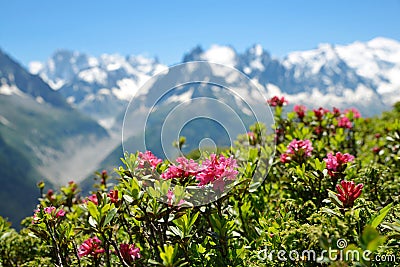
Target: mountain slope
x=39, y=130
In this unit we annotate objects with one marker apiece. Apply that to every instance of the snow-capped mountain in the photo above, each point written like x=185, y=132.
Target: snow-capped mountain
x=364, y=75
x=99, y=86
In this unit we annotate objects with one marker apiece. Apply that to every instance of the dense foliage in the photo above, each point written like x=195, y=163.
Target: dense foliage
x=333, y=187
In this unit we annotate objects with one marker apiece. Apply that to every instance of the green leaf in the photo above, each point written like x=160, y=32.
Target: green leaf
x=330, y=211
x=105, y=208
x=110, y=215
x=167, y=254
x=333, y=197
x=128, y=199
x=371, y=239
x=392, y=226
x=92, y=222
x=375, y=221
x=176, y=231
x=92, y=208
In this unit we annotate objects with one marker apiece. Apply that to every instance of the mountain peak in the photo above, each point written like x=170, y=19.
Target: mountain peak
x=383, y=42
x=16, y=80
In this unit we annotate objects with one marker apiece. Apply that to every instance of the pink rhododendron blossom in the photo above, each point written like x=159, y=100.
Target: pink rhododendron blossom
x=356, y=113
x=216, y=170
x=50, y=195
x=113, y=195
x=92, y=198
x=185, y=168
x=303, y=147
x=344, y=122
x=320, y=112
x=129, y=252
x=297, y=150
x=170, y=197
x=336, y=163
x=91, y=246
x=300, y=110
x=49, y=210
x=277, y=102
x=336, y=112
x=35, y=216
x=148, y=157
x=285, y=158
x=60, y=213
x=348, y=192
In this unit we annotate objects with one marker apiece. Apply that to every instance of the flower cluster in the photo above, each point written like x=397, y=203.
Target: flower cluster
x=344, y=122
x=320, y=112
x=277, y=102
x=185, y=168
x=113, y=195
x=336, y=112
x=300, y=110
x=337, y=163
x=348, y=192
x=216, y=170
x=129, y=252
x=52, y=212
x=92, y=198
x=297, y=150
x=149, y=158
x=91, y=246
x=354, y=111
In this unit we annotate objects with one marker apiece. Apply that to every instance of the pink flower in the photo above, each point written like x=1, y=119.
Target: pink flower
x=92, y=247
x=113, y=195
x=337, y=163
x=277, y=102
x=36, y=218
x=148, y=157
x=300, y=110
x=129, y=252
x=303, y=147
x=60, y=213
x=285, y=158
x=336, y=112
x=320, y=112
x=49, y=210
x=92, y=198
x=348, y=192
x=170, y=197
x=50, y=195
x=356, y=113
x=344, y=122
x=297, y=150
x=216, y=171
x=184, y=169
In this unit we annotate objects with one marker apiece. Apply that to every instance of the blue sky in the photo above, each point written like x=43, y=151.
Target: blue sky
x=167, y=29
